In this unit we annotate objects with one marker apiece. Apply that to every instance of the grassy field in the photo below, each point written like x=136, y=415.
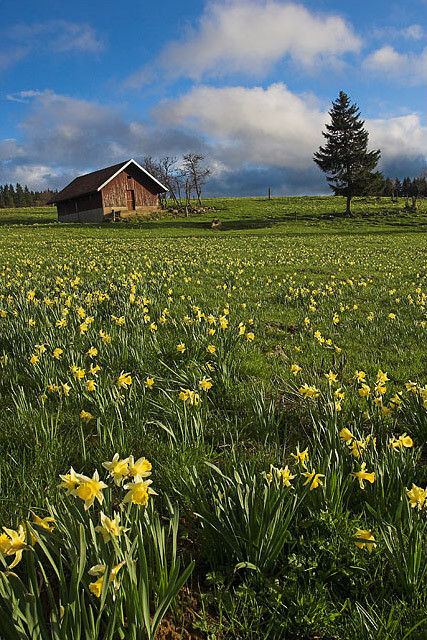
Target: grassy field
x=218, y=356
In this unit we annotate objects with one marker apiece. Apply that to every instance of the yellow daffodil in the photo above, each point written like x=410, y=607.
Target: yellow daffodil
x=124, y=380
x=301, y=457
x=110, y=528
x=140, y=467
x=313, y=479
x=96, y=587
x=89, y=488
x=118, y=468
x=13, y=543
x=69, y=481
x=139, y=491
x=417, y=496
x=346, y=435
x=364, y=475
x=364, y=539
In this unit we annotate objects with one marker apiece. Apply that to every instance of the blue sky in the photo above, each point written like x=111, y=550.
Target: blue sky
x=85, y=84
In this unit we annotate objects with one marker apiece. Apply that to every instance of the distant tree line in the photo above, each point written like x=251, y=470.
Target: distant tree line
x=183, y=177
x=18, y=196
x=410, y=188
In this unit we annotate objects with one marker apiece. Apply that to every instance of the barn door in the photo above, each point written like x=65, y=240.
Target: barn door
x=130, y=197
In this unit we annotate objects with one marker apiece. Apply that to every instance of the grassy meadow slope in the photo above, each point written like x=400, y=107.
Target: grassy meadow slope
x=220, y=356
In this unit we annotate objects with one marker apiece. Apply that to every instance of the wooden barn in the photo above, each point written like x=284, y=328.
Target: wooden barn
x=119, y=190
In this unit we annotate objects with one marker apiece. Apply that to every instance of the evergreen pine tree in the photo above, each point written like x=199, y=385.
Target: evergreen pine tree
x=345, y=156
x=397, y=188
x=20, y=198
x=8, y=196
x=12, y=195
x=389, y=188
x=28, y=197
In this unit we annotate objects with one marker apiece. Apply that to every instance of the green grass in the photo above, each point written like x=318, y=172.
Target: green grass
x=316, y=291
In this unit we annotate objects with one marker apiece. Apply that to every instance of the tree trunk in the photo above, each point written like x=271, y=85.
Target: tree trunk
x=348, y=212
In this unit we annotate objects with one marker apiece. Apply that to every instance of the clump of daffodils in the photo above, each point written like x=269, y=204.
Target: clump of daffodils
x=120, y=469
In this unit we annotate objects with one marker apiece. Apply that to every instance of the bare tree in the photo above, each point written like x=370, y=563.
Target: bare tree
x=153, y=166
x=195, y=173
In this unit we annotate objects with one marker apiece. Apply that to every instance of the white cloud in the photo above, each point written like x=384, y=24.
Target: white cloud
x=22, y=96
x=410, y=68
x=400, y=137
x=35, y=176
x=249, y=37
x=275, y=127
x=413, y=32
x=57, y=36
x=11, y=57
x=270, y=126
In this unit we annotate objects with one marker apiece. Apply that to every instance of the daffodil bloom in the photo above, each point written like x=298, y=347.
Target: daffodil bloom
x=140, y=467
x=364, y=539
x=346, y=435
x=90, y=488
x=124, y=380
x=210, y=348
x=90, y=385
x=364, y=391
x=382, y=377
x=285, y=475
x=13, y=543
x=86, y=415
x=300, y=457
x=118, y=468
x=44, y=522
x=180, y=347
x=96, y=587
x=313, y=479
x=205, y=384
x=139, y=491
x=34, y=359
x=57, y=353
x=417, y=496
x=309, y=392
x=189, y=396
x=92, y=352
x=149, y=382
x=360, y=376
x=110, y=528
x=250, y=336
x=69, y=481
x=364, y=475
x=356, y=447
x=93, y=371
x=331, y=377
x=295, y=368
x=405, y=441
x=411, y=386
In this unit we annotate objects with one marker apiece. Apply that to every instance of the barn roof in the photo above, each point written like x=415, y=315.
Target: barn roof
x=96, y=181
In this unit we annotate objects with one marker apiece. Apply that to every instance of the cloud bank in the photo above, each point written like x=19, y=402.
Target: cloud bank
x=252, y=138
